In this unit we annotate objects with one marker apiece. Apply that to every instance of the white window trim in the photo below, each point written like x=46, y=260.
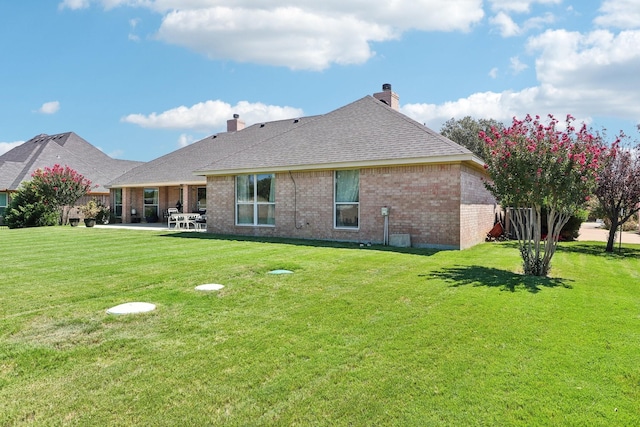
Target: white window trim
x=335, y=204
x=255, y=203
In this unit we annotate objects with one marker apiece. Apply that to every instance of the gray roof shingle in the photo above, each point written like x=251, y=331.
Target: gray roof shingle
x=177, y=167
x=363, y=132
x=66, y=149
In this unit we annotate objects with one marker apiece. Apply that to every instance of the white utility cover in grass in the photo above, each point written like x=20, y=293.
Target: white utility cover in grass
x=281, y=272
x=209, y=287
x=131, y=308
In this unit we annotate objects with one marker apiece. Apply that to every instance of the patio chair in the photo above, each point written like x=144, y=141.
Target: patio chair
x=201, y=223
x=171, y=218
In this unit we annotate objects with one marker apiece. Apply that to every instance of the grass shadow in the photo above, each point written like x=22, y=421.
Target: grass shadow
x=476, y=275
x=598, y=249
x=629, y=250
x=304, y=242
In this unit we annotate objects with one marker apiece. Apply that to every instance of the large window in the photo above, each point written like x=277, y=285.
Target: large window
x=117, y=202
x=202, y=198
x=151, y=203
x=3, y=203
x=256, y=199
x=347, y=199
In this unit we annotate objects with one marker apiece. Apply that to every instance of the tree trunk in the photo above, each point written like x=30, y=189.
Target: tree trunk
x=612, y=236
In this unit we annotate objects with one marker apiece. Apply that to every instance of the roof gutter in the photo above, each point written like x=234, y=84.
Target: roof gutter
x=157, y=184
x=469, y=159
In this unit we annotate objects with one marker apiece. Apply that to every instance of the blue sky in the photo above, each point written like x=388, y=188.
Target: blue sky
x=141, y=78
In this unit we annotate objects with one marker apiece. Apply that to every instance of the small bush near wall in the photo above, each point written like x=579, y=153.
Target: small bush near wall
x=28, y=210
x=571, y=229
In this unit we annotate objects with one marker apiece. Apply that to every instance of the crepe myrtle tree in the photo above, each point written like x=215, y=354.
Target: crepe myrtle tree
x=60, y=187
x=535, y=165
x=618, y=189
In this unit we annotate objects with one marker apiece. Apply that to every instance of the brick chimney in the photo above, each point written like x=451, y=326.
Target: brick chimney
x=235, y=124
x=388, y=96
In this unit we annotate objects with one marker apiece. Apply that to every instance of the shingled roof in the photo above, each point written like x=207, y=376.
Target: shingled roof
x=177, y=167
x=66, y=149
x=364, y=133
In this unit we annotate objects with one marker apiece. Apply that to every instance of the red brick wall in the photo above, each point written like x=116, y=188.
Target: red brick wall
x=477, y=210
x=424, y=201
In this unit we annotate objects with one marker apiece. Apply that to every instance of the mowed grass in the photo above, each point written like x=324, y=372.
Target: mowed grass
x=354, y=337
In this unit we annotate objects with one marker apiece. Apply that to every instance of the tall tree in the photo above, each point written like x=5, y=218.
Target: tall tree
x=534, y=166
x=60, y=187
x=618, y=189
x=466, y=132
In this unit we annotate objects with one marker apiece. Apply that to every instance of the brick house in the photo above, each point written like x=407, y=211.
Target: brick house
x=153, y=187
x=328, y=177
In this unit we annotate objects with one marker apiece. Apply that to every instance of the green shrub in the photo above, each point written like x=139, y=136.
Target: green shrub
x=28, y=210
x=571, y=229
x=630, y=225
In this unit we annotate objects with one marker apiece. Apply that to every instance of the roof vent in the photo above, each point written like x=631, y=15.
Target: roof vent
x=237, y=116
x=261, y=125
x=296, y=120
x=386, y=86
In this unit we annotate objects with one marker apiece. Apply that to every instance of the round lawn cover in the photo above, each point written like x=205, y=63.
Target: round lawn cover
x=132, y=308
x=281, y=272
x=209, y=287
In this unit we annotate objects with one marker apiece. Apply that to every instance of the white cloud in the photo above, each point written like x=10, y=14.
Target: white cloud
x=509, y=28
x=538, y=22
x=503, y=106
x=506, y=25
x=133, y=23
x=211, y=115
x=586, y=75
x=624, y=14
x=302, y=34
x=518, y=6
x=115, y=154
x=516, y=65
x=493, y=73
x=49, y=107
x=74, y=4
x=596, y=61
x=184, y=140
x=290, y=37
x=6, y=146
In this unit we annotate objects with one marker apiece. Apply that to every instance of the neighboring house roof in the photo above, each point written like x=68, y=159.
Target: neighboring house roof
x=177, y=167
x=365, y=133
x=65, y=149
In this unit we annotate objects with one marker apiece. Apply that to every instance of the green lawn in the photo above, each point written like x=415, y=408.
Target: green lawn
x=355, y=337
